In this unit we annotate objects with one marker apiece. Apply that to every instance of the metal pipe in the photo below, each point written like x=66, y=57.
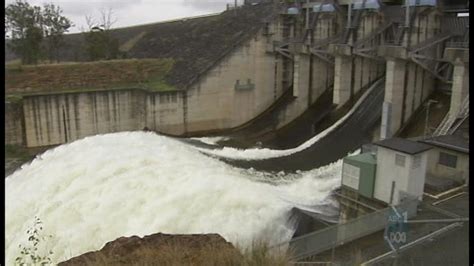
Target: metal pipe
x=307, y=14
x=448, y=198
x=356, y=201
x=407, y=13
x=349, y=14
x=445, y=193
x=438, y=220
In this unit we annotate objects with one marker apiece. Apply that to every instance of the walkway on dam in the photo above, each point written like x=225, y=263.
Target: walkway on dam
x=349, y=136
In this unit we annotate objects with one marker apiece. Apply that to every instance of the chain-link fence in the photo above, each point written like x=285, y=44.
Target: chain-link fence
x=336, y=235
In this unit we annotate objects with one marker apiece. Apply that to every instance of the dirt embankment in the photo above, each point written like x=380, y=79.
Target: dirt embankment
x=162, y=249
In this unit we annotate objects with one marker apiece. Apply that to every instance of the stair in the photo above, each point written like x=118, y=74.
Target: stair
x=446, y=126
x=463, y=114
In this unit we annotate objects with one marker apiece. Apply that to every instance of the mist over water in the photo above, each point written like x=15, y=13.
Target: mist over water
x=103, y=187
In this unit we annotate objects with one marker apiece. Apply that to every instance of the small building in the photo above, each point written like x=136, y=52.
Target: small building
x=401, y=169
x=448, y=161
x=390, y=171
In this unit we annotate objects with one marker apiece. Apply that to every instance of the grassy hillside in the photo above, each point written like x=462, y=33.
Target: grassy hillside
x=194, y=44
x=145, y=73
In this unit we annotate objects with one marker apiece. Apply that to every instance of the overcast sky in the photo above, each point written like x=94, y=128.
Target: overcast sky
x=134, y=12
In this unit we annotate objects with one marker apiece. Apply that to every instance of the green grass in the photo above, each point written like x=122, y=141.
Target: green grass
x=147, y=74
x=13, y=98
x=158, y=85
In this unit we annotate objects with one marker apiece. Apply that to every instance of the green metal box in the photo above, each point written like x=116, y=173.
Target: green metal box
x=367, y=163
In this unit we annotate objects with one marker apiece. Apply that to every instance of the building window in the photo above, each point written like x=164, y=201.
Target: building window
x=416, y=161
x=400, y=160
x=448, y=160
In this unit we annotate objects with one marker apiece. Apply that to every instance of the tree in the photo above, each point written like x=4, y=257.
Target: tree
x=54, y=27
x=100, y=44
x=27, y=26
x=23, y=22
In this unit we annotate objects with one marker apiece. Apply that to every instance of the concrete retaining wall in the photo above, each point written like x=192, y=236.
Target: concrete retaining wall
x=164, y=112
x=60, y=118
x=13, y=123
x=242, y=86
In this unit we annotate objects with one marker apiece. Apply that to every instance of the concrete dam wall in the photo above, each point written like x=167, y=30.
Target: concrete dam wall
x=295, y=57
x=236, y=90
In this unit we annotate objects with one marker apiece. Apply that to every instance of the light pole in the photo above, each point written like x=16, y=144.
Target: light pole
x=427, y=116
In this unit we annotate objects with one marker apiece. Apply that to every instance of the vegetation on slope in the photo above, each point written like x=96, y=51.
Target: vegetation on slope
x=113, y=74
x=169, y=249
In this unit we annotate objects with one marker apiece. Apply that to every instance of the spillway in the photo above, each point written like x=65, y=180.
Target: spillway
x=99, y=188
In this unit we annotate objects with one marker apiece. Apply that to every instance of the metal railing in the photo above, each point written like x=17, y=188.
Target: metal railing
x=462, y=116
x=325, y=239
x=457, y=44
x=448, y=121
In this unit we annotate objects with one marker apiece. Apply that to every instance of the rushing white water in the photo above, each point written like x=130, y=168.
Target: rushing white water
x=211, y=140
x=100, y=188
x=265, y=153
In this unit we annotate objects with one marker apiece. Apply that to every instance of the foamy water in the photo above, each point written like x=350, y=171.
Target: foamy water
x=100, y=188
x=265, y=153
x=211, y=140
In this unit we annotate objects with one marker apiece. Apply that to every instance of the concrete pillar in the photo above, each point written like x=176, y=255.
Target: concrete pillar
x=342, y=79
x=393, y=102
x=460, y=87
x=319, y=76
x=419, y=87
x=301, y=75
x=410, y=91
x=359, y=68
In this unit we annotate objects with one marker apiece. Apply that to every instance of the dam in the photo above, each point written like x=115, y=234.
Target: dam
x=289, y=88
x=291, y=60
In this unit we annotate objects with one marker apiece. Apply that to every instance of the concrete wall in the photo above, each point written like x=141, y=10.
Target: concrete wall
x=352, y=72
x=407, y=178
x=460, y=87
x=408, y=85
x=217, y=101
x=13, y=123
x=60, y=118
x=164, y=112
x=311, y=75
x=460, y=173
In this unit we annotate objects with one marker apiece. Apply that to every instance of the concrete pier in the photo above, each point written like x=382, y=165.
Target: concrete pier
x=342, y=79
x=392, y=107
x=459, y=57
x=301, y=75
x=460, y=88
